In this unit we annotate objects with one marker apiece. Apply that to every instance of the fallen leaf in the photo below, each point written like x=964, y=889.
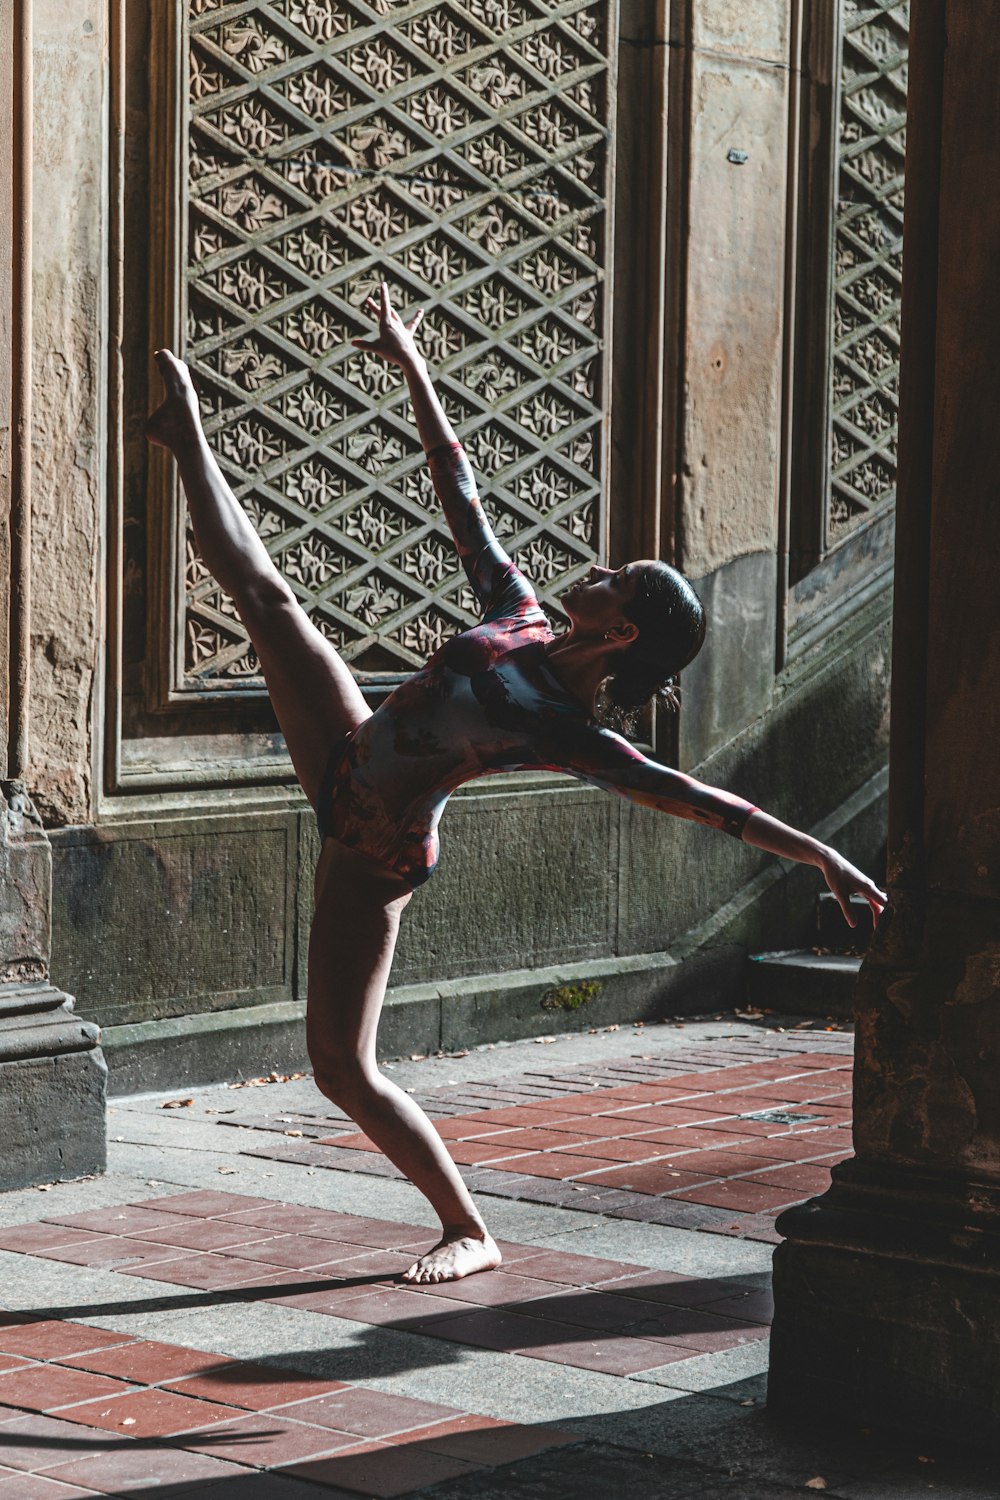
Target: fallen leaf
x=176, y=1103
x=227, y=1171
x=293, y=1132
x=816, y=1484
x=44, y=1187
x=128, y=1421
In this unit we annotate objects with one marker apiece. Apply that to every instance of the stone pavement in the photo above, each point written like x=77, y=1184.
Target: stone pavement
x=218, y=1316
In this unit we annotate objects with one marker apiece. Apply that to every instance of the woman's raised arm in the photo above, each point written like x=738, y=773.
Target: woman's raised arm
x=485, y=561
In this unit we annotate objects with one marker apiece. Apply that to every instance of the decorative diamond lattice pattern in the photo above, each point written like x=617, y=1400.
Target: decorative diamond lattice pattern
x=868, y=241
x=458, y=149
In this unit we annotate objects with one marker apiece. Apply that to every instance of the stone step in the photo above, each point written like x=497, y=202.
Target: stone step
x=800, y=982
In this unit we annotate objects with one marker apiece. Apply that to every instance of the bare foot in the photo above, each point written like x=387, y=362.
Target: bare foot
x=177, y=420
x=455, y=1256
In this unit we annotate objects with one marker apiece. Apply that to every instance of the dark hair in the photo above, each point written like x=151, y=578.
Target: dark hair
x=671, y=621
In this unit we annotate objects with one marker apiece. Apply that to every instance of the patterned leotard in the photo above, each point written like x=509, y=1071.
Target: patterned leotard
x=485, y=702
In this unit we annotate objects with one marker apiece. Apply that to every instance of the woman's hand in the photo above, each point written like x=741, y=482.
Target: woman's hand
x=394, y=340
x=845, y=881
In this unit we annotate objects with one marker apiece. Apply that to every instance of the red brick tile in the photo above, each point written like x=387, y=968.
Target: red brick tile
x=357, y=1142
x=792, y=1147
x=720, y=1163
x=489, y=1289
x=806, y=1179
x=206, y=1203
x=374, y=1263
x=746, y=1307
x=145, y=1414
x=121, y=1220
x=513, y=1141
x=203, y=1234
x=512, y=1252
x=623, y=1148
x=740, y=1195
x=650, y=1177
x=480, y=1440
x=14, y=1362
x=35, y=1239
x=567, y=1269
x=37, y=1487
x=559, y=1165
x=585, y=1308
x=290, y=1218
x=390, y=1306
x=383, y=1234
x=472, y=1153
x=48, y=1339
x=207, y=1272
x=709, y=1340
x=692, y=1137
x=676, y=1291
x=369, y=1414
x=580, y=1104
x=37, y=1442
x=255, y=1387
x=382, y=1469
x=112, y=1252
x=796, y=1091
x=298, y=1252
x=611, y=1356
x=518, y=1117
x=265, y=1439
x=494, y=1328
x=605, y=1127
x=46, y=1388
x=675, y=1115
x=145, y=1361
x=134, y=1468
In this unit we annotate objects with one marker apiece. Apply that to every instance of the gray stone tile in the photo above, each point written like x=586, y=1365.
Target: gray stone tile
x=726, y=1373
x=664, y=1248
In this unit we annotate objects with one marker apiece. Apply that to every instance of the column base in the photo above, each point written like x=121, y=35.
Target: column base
x=887, y=1305
x=53, y=1088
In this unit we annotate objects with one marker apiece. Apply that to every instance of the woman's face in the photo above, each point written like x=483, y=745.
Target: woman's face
x=598, y=601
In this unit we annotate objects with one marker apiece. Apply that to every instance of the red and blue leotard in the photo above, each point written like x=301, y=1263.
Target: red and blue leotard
x=485, y=702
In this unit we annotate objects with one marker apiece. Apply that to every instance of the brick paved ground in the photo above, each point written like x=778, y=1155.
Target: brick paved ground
x=219, y=1316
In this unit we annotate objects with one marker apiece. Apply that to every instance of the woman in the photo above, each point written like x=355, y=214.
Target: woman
x=505, y=695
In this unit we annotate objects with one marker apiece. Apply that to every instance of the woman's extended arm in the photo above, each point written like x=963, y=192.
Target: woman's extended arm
x=765, y=832
x=605, y=759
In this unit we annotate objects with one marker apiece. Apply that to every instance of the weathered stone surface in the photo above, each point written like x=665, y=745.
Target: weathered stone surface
x=734, y=302
x=159, y=918
x=51, y=1103
x=69, y=258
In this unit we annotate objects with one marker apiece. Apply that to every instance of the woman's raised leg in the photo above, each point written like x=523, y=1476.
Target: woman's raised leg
x=314, y=695
x=356, y=921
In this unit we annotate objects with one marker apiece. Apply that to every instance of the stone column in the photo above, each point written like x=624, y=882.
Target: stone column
x=888, y=1287
x=52, y=1072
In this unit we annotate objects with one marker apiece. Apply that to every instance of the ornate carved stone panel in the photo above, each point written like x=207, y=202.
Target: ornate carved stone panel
x=867, y=254
x=459, y=149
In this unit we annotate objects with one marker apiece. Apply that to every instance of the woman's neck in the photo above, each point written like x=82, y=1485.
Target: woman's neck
x=581, y=665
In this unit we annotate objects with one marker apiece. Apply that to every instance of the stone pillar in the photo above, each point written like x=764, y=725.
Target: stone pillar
x=887, y=1288
x=52, y=1072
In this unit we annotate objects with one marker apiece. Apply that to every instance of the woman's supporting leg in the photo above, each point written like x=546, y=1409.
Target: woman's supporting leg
x=353, y=938
x=314, y=696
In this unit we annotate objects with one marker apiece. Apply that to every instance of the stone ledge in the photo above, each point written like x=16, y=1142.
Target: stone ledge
x=212, y=1047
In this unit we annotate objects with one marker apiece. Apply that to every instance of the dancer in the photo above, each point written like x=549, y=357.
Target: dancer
x=505, y=695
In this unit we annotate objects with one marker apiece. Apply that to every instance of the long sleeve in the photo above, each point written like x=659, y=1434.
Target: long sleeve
x=606, y=760
x=499, y=586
